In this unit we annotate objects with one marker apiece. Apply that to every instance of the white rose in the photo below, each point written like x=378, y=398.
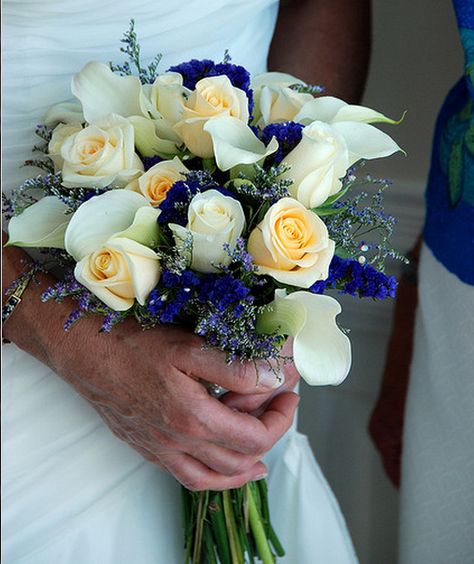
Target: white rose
x=101, y=154
x=156, y=181
x=165, y=97
x=121, y=271
x=325, y=153
x=292, y=245
x=60, y=134
x=214, y=96
x=213, y=221
x=274, y=100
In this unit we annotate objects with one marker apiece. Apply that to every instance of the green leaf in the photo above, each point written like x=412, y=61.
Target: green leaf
x=328, y=211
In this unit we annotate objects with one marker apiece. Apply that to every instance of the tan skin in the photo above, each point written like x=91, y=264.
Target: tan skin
x=145, y=384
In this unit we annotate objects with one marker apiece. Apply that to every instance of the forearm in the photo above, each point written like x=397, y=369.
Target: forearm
x=34, y=326
x=324, y=42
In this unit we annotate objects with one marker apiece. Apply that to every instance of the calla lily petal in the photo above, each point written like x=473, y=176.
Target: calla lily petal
x=65, y=112
x=331, y=110
x=42, y=224
x=235, y=143
x=144, y=229
x=147, y=141
x=321, y=351
x=323, y=109
x=102, y=92
x=99, y=218
x=365, y=141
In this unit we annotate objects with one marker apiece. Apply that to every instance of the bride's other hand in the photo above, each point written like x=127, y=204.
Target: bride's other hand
x=145, y=384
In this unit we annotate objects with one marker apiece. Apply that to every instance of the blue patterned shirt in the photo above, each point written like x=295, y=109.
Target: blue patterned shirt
x=449, y=227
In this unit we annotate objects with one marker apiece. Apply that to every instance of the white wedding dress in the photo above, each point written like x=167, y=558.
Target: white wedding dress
x=72, y=492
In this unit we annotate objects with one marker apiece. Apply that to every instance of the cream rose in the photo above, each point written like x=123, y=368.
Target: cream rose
x=214, y=220
x=277, y=104
x=214, y=96
x=317, y=164
x=101, y=154
x=156, y=181
x=121, y=271
x=60, y=134
x=165, y=97
x=292, y=245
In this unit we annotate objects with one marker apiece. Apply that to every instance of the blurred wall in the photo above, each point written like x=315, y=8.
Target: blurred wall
x=416, y=58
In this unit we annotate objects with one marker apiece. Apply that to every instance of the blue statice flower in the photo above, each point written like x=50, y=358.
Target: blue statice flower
x=174, y=208
x=167, y=303
x=194, y=70
x=148, y=162
x=288, y=134
x=223, y=290
x=354, y=278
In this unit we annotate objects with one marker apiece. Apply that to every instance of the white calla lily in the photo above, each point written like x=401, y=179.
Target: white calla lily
x=331, y=109
x=235, y=143
x=65, y=112
x=102, y=92
x=43, y=224
x=151, y=139
x=365, y=141
x=321, y=351
x=101, y=217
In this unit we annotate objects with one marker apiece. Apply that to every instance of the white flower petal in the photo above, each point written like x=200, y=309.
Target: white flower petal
x=65, y=112
x=323, y=109
x=365, y=141
x=42, y=224
x=114, y=301
x=147, y=141
x=99, y=218
x=274, y=78
x=321, y=351
x=361, y=114
x=143, y=265
x=235, y=143
x=102, y=92
x=144, y=229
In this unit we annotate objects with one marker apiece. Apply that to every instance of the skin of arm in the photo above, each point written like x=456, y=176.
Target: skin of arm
x=324, y=42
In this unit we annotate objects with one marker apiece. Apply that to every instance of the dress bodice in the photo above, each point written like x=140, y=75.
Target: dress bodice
x=45, y=42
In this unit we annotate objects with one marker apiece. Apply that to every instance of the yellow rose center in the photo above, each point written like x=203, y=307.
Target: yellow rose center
x=105, y=264
x=158, y=187
x=89, y=148
x=293, y=233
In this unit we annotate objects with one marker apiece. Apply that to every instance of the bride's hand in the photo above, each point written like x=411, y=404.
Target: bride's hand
x=145, y=384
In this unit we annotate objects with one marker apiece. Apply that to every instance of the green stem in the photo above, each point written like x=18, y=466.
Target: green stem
x=235, y=548
x=258, y=530
x=199, y=527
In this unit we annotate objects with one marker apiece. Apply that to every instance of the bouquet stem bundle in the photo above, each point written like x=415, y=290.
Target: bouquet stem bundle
x=230, y=527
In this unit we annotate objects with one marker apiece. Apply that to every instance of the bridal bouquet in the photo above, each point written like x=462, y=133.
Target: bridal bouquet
x=228, y=204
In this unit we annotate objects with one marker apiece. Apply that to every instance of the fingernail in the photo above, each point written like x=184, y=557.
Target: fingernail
x=268, y=378
x=260, y=476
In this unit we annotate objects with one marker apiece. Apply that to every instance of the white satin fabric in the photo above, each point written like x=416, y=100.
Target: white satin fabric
x=437, y=493
x=72, y=492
